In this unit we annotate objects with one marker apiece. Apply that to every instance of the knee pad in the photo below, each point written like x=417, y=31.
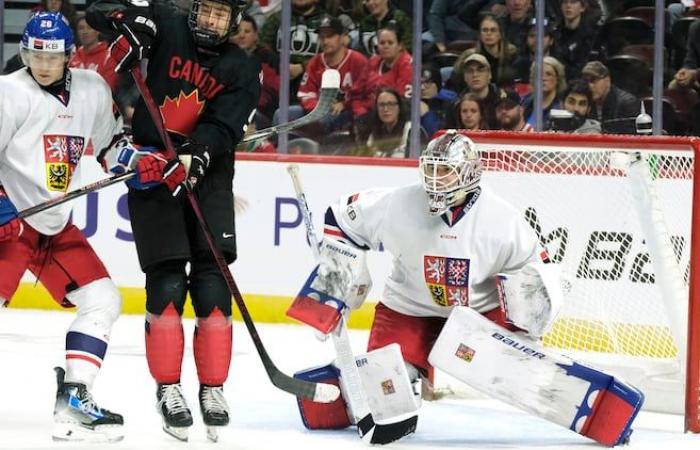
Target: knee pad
x=208, y=288
x=323, y=416
x=166, y=283
x=100, y=301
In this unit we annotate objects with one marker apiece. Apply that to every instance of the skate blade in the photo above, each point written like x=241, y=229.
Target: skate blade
x=180, y=433
x=75, y=432
x=213, y=433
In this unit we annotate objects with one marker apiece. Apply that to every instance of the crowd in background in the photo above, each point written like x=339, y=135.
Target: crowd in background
x=477, y=67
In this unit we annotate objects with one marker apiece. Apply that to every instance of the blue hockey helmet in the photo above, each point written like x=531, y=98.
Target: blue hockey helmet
x=48, y=32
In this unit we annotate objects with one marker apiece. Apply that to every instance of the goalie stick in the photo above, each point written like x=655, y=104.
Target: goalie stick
x=341, y=341
x=329, y=90
x=319, y=392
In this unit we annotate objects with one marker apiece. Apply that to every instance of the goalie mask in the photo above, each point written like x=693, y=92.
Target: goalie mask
x=213, y=21
x=450, y=168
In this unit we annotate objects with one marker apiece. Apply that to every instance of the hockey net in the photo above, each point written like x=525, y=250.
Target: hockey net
x=617, y=214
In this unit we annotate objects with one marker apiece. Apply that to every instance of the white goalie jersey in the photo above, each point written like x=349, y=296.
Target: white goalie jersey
x=436, y=266
x=42, y=140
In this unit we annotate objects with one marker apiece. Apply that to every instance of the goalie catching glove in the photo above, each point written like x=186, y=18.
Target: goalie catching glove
x=340, y=282
x=532, y=297
x=150, y=164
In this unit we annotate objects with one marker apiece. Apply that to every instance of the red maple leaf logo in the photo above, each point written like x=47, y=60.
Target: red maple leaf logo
x=180, y=114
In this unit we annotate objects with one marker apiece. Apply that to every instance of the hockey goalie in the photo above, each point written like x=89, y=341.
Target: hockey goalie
x=469, y=293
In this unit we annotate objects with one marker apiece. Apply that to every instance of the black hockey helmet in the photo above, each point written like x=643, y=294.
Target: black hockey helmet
x=219, y=27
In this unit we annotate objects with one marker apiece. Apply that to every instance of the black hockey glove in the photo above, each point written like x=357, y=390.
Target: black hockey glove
x=199, y=163
x=137, y=31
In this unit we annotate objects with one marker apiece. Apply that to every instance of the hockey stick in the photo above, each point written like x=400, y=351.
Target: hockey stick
x=341, y=341
x=319, y=392
x=329, y=89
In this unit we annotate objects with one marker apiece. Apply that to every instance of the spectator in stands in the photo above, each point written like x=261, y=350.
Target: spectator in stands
x=351, y=13
x=388, y=129
x=304, y=44
x=578, y=100
x=392, y=66
x=435, y=101
x=246, y=37
x=499, y=52
x=688, y=76
x=353, y=68
x=575, y=38
x=93, y=53
x=445, y=23
x=381, y=12
x=510, y=115
x=614, y=108
x=676, y=10
x=515, y=20
x=477, y=77
x=523, y=61
x=65, y=7
x=553, y=87
x=467, y=113
x=260, y=10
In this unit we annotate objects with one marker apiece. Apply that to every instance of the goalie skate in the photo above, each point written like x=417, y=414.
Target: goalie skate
x=77, y=417
x=214, y=409
x=172, y=406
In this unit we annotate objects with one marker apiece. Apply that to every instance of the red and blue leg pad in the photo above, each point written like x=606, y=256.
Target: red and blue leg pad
x=323, y=416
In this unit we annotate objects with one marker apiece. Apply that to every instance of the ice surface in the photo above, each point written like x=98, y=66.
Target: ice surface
x=263, y=417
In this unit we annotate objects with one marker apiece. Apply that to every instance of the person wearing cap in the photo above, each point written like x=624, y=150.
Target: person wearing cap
x=574, y=40
x=614, y=108
x=526, y=54
x=477, y=78
x=435, y=101
x=392, y=66
x=352, y=65
x=381, y=13
x=510, y=114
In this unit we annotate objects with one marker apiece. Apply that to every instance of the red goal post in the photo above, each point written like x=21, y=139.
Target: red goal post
x=617, y=213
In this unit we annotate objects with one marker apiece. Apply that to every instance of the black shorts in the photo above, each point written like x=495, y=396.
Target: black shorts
x=165, y=228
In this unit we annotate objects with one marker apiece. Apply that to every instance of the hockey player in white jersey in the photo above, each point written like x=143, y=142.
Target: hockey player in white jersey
x=460, y=251
x=48, y=113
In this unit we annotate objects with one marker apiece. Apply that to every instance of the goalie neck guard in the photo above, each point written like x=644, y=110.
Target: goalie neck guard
x=450, y=169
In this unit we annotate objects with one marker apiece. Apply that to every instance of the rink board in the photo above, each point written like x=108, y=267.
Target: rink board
x=273, y=256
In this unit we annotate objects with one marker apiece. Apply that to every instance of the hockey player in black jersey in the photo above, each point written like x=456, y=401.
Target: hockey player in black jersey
x=206, y=90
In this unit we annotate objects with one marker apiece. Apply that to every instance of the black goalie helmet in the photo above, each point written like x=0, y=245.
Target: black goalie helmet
x=213, y=21
x=450, y=169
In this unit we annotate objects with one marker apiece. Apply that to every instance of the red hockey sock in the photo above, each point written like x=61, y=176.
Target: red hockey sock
x=213, y=338
x=165, y=342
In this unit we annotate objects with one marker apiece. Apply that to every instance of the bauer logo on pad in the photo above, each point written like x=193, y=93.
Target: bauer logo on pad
x=388, y=387
x=465, y=352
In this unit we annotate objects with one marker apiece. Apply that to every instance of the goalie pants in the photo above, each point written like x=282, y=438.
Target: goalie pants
x=415, y=335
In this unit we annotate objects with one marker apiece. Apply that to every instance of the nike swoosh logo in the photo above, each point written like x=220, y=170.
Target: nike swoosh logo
x=227, y=235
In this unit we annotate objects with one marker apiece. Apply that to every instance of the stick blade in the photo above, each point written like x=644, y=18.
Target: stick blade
x=330, y=79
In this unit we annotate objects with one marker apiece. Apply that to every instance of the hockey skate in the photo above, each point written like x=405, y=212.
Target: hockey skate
x=77, y=417
x=214, y=409
x=172, y=406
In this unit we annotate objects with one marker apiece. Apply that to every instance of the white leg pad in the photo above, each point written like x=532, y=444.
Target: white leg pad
x=521, y=372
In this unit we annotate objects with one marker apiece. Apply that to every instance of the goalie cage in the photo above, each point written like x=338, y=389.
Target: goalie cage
x=616, y=212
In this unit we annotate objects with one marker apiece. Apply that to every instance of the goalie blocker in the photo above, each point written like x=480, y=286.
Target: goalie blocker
x=521, y=372
x=392, y=399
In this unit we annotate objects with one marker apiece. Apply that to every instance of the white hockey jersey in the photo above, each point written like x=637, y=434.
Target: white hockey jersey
x=436, y=266
x=42, y=140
